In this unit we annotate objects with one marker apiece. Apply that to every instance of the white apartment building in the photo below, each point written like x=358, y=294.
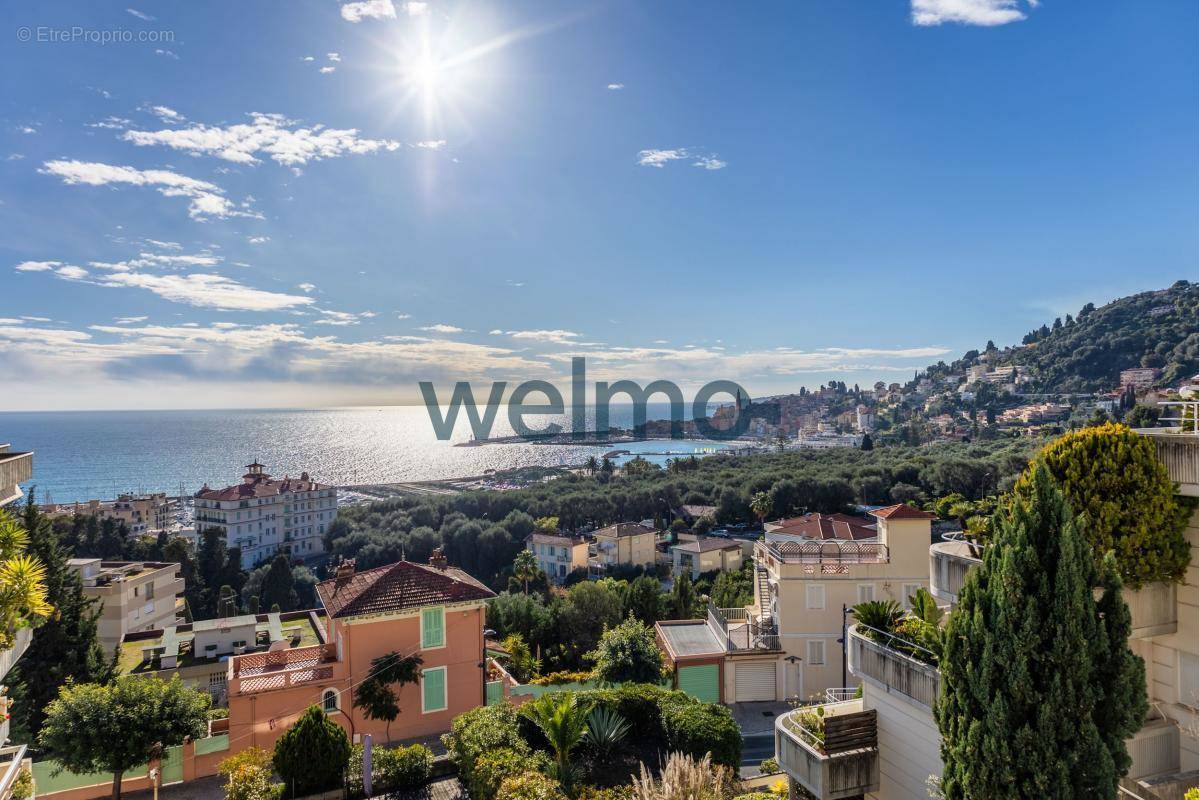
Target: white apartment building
x=264, y=516
x=558, y=555
x=134, y=595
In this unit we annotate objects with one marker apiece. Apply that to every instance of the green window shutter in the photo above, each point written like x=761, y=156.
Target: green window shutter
x=432, y=627
x=433, y=686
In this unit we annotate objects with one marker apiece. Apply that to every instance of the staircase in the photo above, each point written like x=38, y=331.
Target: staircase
x=763, y=594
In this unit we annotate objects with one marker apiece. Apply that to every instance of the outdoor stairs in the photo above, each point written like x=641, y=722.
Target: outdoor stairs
x=763, y=594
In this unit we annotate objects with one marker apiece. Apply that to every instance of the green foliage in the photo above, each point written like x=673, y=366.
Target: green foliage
x=644, y=599
x=561, y=677
x=1112, y=477
x=392, y=768
x=495, y=766
x=684, y=602
x=756, y=795
x=606, y=731
x=734, y=589
x=530, y=786
x=248, y=776
x=22, y=785
x=881, y=615
x=311, y=756
x=376, y=694
x=769, y=766
x=1036, y=673
x=115, y=727
x=562, y=720
x=520, y=661
x=924, y=606
x=699, y=728
x=482, y=730
x=628, y=652
x=279, y=586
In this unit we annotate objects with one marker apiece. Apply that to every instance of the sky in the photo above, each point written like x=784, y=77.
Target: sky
x=230, y=204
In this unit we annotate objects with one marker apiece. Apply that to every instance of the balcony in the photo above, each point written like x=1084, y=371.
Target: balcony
x=21, y=640
x=738, y=630
x=1154, y=609
x=949, y=561
x=280, y=669
x=1154, y=749
x=828, y=554
x=15, y=468
x=839, y=762
x=12, y=759
x=892, y=671
x=1180, y=453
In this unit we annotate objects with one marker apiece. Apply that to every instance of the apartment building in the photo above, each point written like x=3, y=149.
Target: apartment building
x=808, y=571
x=264, y=516
x=558, y=555
x=135, y=595
x=431, y=610
x=626, y=544
x=705, y=554
x=886, y=744
x=141, y=513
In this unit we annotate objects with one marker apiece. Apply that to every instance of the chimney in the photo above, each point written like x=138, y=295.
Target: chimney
x=345, y=571
x=437, y=559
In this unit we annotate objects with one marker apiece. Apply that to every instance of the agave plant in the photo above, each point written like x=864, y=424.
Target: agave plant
x=924, y=606
x=605, y=732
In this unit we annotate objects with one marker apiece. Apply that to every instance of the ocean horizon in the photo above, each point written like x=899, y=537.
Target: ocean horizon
x=84, y=455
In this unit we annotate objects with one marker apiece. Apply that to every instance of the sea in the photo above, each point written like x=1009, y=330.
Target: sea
x=83, y=455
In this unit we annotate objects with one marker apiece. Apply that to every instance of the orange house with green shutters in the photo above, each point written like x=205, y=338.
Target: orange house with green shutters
x=431, y=610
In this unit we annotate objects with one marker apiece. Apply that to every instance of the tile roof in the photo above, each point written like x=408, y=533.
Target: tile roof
x=826, y=526
x=622, y=529
x=261, y=485
x=901, y=511
x=397, y=587
x=706, y=544
x=553, y=538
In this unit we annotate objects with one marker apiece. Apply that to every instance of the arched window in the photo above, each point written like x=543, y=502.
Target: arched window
x=329, y=700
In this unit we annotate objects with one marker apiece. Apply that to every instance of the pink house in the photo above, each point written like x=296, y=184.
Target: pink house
x=433, y=610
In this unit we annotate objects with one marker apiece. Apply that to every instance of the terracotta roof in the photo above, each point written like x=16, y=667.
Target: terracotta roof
x=261, y=486
x=901, y=511
x=397, y=587
x=826, y=526
x=706, y=544
x=621, y=529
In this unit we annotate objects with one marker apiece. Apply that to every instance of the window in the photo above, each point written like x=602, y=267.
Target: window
x=149, y=591
x=1188, y=679
x=329, y=700
x=816, y=652
x=816, y=595
x=865, y=592
x=432, y=690
x=432, y=628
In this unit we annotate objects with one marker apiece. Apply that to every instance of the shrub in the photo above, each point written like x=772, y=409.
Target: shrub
x=251, y=756
x=1112, y=476
x=769, y=766
x=480, y=730
x=628, y=652
x=392, y=769
x=530, y=786
x=561, y=677
x=623, y=792
x=685, y=778
x=698, y=728
x=311, y=756
x=22, y=786
x=218, y=713
x=249, y=782
x=495, y=766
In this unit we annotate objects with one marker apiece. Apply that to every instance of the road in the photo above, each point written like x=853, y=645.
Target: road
x=756, y=748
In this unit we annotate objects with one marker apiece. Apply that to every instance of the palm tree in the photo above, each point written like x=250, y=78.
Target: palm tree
x=563, y=722
x=375, y=695
x=22, y=582
x=524, y=567
x=761, y=504
x=591, y=465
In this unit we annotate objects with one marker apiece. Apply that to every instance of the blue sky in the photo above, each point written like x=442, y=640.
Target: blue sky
x=322, y=203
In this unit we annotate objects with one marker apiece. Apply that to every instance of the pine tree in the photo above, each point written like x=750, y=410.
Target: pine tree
x=279, y=587
x=1039, y=688
x=67, y=646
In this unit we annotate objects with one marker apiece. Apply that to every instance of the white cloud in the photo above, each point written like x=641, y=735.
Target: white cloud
x=659, y=158
x=403, y=316
x=333, y=56
x=442, y=328
x=167, y=53
x=112, y=123
x=164, y=245
x=710, y=162
x=272, y=135
x=205, y=198
x=166, y=113
x=549, y=336
x=71, y=273
x=258, y=239
x=206, y=291
x=140, y=14
x=431, y=144
x=27, y=129
x=306, y=288
x=615, y=87
x=968, y=12
x=130, y=320
x=416, y=9
x=309, y=58
x=37, y=266
x=369, y=9
x=327, y=70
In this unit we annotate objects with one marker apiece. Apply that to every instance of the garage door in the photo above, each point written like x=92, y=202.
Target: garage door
x=701, y=682
x=755, y=681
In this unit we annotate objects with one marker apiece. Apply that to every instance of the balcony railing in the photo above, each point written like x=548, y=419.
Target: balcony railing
x=1154, y=609
x=1154, y=749
x=15, y=468
x=825, y=551
x=21, y=640
x=842, y=763
x=1180, y=453
x=280, y=669
x=893, y=671
x=12, y=758
x=949, y=561
x=740, y=631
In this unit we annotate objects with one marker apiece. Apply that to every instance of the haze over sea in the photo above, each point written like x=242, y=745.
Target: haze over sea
x=81, y=455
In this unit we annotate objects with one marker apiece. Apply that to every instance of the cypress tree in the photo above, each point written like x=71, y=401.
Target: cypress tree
x=67, y=646
x=279, y=586
x=1039, y=688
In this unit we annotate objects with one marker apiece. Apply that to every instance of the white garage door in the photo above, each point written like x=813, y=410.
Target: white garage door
x=755, y=681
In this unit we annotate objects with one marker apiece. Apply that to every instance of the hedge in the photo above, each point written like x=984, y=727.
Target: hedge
x=492, y=768
x=482, y=730
x=699, y=728
x=392, y=769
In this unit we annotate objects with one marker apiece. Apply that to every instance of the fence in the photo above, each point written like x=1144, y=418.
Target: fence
x=183, y=762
